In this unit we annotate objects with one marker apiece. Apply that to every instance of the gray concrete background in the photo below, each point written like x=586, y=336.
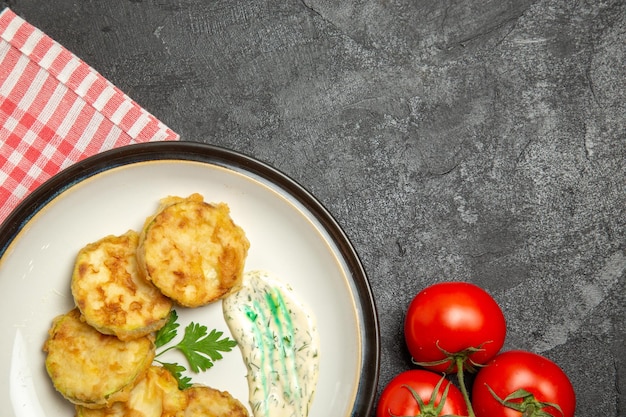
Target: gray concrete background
x=475, y=140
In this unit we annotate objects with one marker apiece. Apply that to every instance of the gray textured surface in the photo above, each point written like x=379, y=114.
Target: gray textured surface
x=473, y=140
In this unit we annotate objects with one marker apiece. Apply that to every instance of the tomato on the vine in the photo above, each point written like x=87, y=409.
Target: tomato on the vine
x=420, y=393
x=453, y=322
x=521, y=383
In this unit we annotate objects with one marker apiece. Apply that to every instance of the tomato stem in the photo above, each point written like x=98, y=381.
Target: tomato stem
x=460, y=368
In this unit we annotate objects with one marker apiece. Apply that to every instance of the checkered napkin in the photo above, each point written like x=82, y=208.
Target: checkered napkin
x=56, y=110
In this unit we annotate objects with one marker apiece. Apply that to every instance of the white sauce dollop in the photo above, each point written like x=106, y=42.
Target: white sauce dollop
x=279, y=342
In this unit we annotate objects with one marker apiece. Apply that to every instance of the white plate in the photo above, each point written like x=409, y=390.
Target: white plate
x=291, y=235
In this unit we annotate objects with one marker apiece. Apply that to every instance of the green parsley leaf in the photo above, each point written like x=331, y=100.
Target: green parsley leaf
x=177, y=371
x=200, y=347
x=167, y=332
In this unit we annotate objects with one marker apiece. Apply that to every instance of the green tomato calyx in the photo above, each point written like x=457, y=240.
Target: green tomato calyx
x=526, y=403
x=429, y=409
x=463, y=357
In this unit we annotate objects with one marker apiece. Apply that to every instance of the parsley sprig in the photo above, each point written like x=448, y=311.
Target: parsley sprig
x=199, y=346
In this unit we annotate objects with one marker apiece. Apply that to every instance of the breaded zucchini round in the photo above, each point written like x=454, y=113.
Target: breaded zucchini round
x=111, y=293
x=209, y=402
x=156, y=394
x=192, y=250
x=90, y=368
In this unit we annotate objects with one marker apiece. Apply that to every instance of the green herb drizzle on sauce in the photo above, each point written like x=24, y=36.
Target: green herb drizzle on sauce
x=279, y=343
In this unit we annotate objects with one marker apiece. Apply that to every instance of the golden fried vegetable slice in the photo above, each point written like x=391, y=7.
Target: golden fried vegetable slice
x=112, y=294
x=90, y=368
x=155, y=395
x=192, y=250
x=209, y=402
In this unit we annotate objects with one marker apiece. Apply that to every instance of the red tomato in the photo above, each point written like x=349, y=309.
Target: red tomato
x=453, y=318
x=509, y=372
x=398, y=400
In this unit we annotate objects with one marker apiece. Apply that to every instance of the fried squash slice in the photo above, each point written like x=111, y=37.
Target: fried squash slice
x=92, y=369
x=156, y=394
x=112, y=294
x=205, y=401
x=192, y=250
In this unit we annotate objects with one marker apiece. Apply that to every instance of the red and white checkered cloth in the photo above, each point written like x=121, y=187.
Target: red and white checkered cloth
x=56, y=110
